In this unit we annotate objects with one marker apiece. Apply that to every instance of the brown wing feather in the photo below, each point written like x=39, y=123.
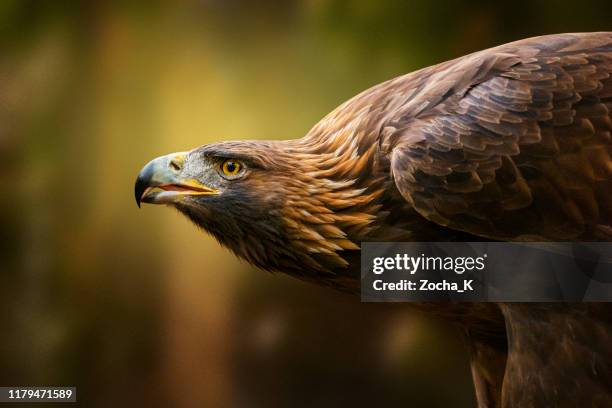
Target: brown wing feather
x=513, y=142
x=560, y=355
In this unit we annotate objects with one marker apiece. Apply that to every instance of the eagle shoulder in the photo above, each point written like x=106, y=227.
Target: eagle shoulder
x=512, y=142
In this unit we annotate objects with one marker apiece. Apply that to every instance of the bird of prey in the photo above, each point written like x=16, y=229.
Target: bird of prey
x=513, y=143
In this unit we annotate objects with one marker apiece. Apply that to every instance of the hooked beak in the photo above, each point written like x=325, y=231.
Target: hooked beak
x=160, y=181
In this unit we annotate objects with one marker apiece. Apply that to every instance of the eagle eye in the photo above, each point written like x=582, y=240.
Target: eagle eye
x=231, y=167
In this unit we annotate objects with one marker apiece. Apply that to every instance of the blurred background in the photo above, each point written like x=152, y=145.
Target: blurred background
x=138, y=307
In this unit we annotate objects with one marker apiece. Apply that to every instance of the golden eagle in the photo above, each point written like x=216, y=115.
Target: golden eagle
x=512, y=143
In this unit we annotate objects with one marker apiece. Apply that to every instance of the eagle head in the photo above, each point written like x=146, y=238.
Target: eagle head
x=276, y=204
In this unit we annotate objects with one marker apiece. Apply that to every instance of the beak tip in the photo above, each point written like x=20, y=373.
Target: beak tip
x=139, y=189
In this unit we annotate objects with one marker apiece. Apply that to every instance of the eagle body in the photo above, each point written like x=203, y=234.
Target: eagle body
x=512, y=143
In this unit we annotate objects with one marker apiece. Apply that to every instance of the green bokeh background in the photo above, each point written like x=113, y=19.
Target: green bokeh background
x=138, y=307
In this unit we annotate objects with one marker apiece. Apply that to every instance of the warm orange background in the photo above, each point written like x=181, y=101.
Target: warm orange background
x=138, y=307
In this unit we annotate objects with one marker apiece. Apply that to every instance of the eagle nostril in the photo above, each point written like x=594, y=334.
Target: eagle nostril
x=175, y=165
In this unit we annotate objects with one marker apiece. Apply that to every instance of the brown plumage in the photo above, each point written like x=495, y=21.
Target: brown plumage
x=510, y=143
